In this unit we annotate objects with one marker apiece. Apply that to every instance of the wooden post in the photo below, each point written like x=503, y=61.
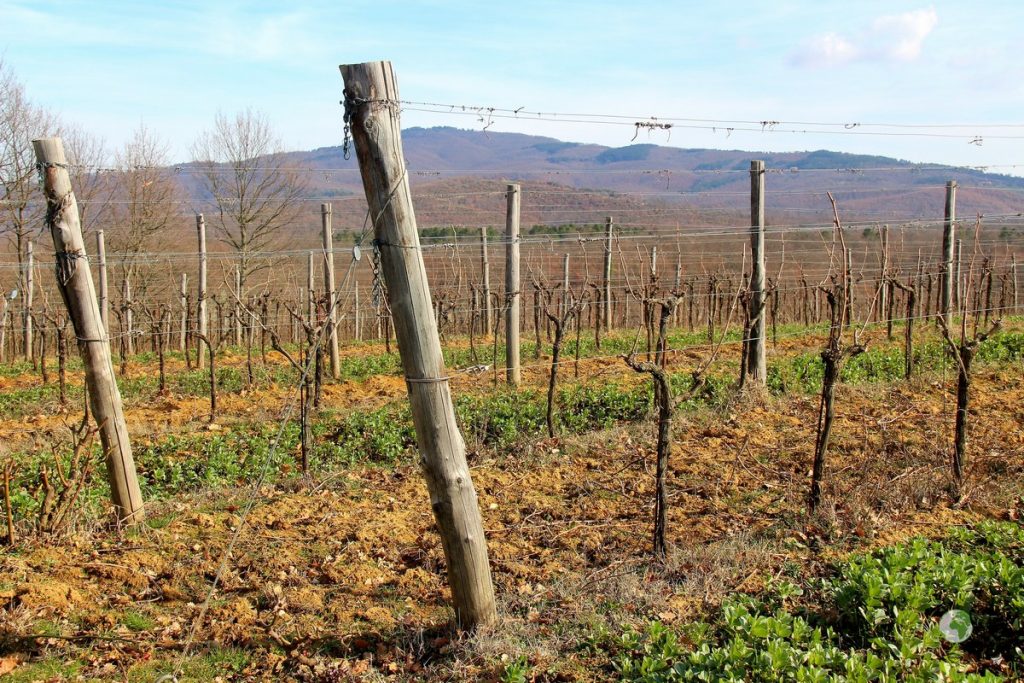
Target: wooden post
x=237, y=308
x=101, y=251
x=29, y=290
x=948, y=241
x=485, y=267
x=75, y=284
x=201, y=311
x=129, y=316
x=606, y=303
x=310, y=289
x=1013, y=282
x=512, y=295
x=883, y=281
x=371, y=98
x=357, y=316
x=565, y=284
x=332, y=314
x=959, y=289
x=757, y=364
x=183, y=294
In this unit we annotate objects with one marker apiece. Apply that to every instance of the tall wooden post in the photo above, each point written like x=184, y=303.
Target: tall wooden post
x=202, y=315
x=757, y=364
x=183, y=294
x=1013, y=282
x=101, y=252
x=332, y=312
x=513, y=374
x=357, y=315
x=485, y=268
x=883, y=280
x=948, y=241
x=958, y=284
x=237, y=308
x=129, y=316
x=565, y=285
x=371, y=97
x=75, y=284
x=606, y=304
x=310, y=289
x=29, y=291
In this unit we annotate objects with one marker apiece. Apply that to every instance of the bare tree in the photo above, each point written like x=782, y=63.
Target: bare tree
x=251, y=183
x=21, y=204
x=144, y=199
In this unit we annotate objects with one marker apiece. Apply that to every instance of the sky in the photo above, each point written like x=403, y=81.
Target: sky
x=109, y=66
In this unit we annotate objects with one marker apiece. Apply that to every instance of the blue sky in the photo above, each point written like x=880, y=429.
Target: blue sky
x=173, y=65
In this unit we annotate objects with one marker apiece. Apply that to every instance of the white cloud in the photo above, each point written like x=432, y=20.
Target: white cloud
x=889, y=38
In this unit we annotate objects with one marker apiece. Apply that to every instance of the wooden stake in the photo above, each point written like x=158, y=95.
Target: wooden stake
x=513, y=374
x=332, y=315
x=606, y=302
x=183, y=294
x=485, y=268
x=948, y=241
x=757, y=364
x=201, y=312
x=371, y=106
x=29, y=290
x=76, y=288
x=101, y=251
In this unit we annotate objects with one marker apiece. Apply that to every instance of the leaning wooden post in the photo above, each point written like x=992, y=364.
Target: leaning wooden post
x=948, y=241
x=201, y=313
x=332, y=314
x=101, y=251
x=29, y=290
x=606, y=303
x=512, y=372
x=76, y=288
x=183, y=295
x=371, y=109
x=485, y=268
x=757, y=367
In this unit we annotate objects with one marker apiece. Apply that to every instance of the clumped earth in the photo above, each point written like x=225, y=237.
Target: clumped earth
x=340, y=576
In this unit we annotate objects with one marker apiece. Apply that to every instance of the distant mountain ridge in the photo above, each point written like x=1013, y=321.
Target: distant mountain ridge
x=700, y=178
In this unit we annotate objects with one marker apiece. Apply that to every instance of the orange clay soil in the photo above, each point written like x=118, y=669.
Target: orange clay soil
x=343, y=578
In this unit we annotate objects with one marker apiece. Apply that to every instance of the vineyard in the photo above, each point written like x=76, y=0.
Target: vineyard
x=675, y=443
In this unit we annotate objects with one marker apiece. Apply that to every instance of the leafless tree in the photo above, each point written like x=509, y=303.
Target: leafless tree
x=144, y=199
x=255, y=189
x=21, y=204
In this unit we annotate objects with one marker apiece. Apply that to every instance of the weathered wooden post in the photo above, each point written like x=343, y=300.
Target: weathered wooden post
x=76, y=288
x=237, y=307
x=183, y=294
x=958, y=285
x=757, y=367
x=1013, y=282
x=565, y=284
x=883, y=281
x=101, y=251
x=310, y=289
x=201, y=312
x=485, y=268
x=606, y=303
x=332, y=315
x=513, y=374
x=371, y=110
x=29, y=290
x=129, y=316
x=948, y=240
